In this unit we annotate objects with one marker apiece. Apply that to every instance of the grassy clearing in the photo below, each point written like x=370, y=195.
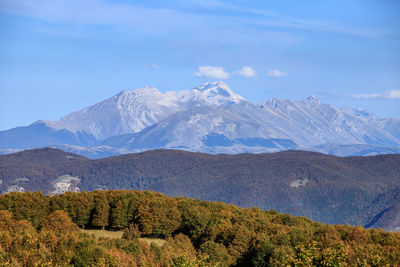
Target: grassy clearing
x=118, y=234
x=157, y=241
x=103, y=233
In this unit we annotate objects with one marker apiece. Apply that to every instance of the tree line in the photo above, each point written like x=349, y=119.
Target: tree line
x=45, y=229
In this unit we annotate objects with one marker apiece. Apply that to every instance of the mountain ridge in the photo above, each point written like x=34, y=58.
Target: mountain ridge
x=325, y=188
x=196, y=119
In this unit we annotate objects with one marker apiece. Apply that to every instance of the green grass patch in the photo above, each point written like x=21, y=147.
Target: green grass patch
x=98, y=233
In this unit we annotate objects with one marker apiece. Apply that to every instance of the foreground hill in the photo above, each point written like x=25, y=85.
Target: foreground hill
x=37, y=230
x=209, y=118
x=329, y=189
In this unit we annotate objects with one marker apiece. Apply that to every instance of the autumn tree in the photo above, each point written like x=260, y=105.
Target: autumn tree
x=178, y=249
x=6, y=220
x=158, y=216
x=215, y=253
x=59, y=222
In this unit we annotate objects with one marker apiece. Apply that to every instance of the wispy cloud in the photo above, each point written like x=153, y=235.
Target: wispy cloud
x=98, y=12
x=246, y=71
x=391, y=94
x=268, y=18
x=276, y=73
x=367, y=96
x=176, y=15
x=154, y=66
x=216, y=72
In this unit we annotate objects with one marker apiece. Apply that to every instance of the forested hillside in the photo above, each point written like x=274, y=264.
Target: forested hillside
x=329, y=189
x=38, y=230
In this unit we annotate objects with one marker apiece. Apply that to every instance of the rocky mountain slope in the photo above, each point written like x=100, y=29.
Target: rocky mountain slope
x=210, y=118
x=330, y=189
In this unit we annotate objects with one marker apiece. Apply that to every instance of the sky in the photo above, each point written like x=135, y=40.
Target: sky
x=58, y=56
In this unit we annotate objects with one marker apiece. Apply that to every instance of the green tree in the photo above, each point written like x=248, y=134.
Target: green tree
x=101, y=210
x=263, y=255
x=119, y=217
x=215, y=253
x=83, y=208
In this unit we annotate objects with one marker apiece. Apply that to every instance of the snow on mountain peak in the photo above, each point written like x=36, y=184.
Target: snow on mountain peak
x=313, y=122
x=217, y=93
x=146, y=90
x=212, y=85
x=123, y=92
x=279, y=103
x=132, y=111
x=213, y=111
x=125, y=112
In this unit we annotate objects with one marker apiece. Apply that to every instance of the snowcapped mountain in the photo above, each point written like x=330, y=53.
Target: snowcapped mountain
x=131, y=112
x=211, y=94
x=201, y=129
x=209, y=118
x=126, y=112
x=312, y=123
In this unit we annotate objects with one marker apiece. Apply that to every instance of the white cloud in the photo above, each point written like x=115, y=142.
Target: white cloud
x=392, y=94
x=276, y=73
x=154, y=66
x=367, y=96
x=216, y=72
x=246, y=71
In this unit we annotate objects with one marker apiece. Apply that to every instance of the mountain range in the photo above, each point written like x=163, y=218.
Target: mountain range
x=210, y=118
x=330, y=189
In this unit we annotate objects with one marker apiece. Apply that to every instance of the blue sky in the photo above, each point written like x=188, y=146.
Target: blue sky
x=60, y=56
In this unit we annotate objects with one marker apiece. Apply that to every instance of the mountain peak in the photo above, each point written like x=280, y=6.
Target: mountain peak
x=145, y=90
x=210, y=112
x=313, y=99
x=272, y=102
x=218, y=92
x=210, y=85
x=121, y=94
